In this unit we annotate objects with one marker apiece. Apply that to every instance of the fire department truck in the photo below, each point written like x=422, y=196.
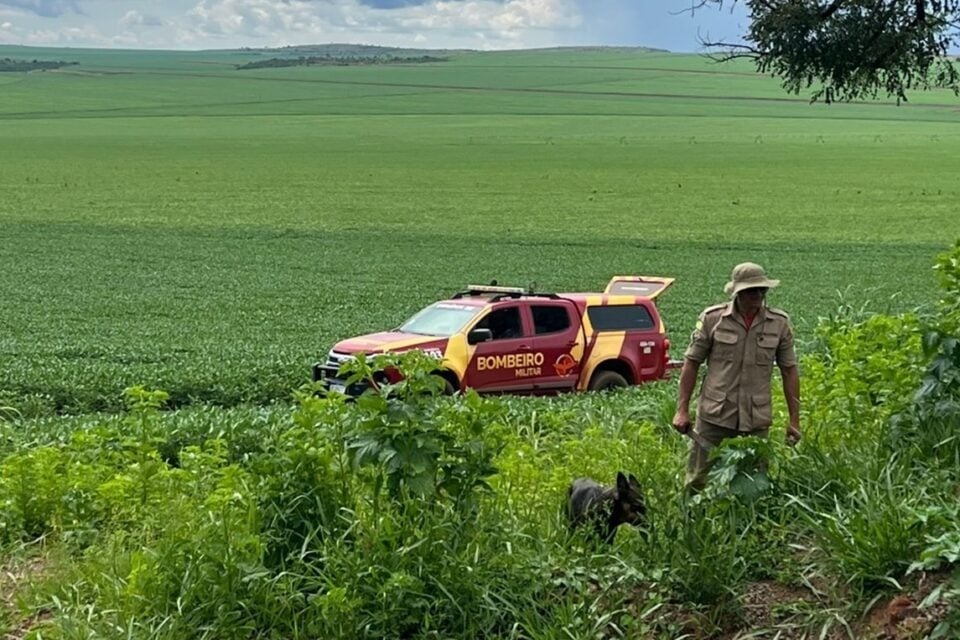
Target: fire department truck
x=497, y=339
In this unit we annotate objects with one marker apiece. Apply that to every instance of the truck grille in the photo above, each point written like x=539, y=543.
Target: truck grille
x=335, y=359
x=328, y=369
x=326, y=372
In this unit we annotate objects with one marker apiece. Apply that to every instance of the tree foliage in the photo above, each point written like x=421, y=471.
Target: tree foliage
x=849, y=49
x=19, y=66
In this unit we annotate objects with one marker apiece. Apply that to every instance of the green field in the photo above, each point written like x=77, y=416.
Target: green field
x=169, y=220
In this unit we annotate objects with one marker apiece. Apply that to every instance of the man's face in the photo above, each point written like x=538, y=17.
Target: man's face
x=750, y=300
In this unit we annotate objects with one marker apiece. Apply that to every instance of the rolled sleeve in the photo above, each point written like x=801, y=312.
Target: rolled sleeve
x=700, y=341
x=786, y=355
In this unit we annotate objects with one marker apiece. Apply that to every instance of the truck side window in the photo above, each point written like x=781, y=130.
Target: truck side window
x=550, y=318
x=504, y=323
x=620, y=317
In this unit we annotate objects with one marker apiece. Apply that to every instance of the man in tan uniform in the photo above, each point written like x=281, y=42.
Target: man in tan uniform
x=739, y=341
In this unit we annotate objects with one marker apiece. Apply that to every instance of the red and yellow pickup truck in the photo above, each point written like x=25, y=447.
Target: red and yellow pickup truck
x=511, y=340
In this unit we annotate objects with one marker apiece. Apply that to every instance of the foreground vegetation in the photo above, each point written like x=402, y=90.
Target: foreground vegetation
x=412, y=515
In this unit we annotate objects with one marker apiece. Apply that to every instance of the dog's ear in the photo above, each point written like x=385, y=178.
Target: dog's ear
x=623, y=485
x=634, y=482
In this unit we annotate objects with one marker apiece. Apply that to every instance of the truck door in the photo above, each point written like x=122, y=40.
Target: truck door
x=504, y=363
x=558, y=340
x=637, y=329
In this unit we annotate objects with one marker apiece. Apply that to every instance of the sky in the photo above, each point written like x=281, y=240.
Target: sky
x=425, y=24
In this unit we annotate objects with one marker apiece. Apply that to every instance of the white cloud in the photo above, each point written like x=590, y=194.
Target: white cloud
x=136, y=19
x=479, y=24
x=491, y=17
x=43, y=8
x=252, y=18
x=67, y=37
x=438, y=23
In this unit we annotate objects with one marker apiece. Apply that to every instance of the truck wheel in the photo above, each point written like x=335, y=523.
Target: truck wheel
x=604, y=380
x=448, y=388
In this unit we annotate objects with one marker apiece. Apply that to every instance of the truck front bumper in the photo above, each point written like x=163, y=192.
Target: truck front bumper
x=328, y=378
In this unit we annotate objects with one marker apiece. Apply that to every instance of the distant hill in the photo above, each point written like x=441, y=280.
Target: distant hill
x=601, y=49
x=347, y=51
x=331, y=53
x=338, y=61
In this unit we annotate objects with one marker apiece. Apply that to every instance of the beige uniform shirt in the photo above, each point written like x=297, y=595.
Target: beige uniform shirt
x=736, y=390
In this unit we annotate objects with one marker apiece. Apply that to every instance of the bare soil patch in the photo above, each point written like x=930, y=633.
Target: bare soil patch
x=15, y=576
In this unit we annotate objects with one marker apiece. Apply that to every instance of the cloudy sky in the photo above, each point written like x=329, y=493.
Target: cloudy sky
x=474, y=24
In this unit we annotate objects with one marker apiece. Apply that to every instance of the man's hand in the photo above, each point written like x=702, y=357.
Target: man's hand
x=791, y=392
x=793, y=434
x=688, y=379
x=681, y=421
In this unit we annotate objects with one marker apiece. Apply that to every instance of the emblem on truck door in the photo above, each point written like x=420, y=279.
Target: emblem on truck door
x=564, y=364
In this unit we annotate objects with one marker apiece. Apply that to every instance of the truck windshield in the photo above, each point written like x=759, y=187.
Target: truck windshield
x=440, y=319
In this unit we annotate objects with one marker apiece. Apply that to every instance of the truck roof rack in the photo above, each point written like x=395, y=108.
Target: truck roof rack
x=499, y=293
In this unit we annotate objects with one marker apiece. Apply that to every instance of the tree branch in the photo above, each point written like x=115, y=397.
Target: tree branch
x=832, y=9
x=853, y=48
x=732, y=51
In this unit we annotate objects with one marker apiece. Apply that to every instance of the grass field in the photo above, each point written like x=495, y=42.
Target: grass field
x=172, y=221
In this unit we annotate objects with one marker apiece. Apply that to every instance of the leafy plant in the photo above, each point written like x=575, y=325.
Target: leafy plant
x=942, y=552
x=928, y=426
x=306, y=489
x=400, y=433
x=741, y=470
x=869, y=535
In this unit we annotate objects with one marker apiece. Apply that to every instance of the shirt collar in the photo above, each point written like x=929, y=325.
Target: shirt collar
x=730, y=310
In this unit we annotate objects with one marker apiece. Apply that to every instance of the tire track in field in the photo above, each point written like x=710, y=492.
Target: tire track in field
x=157, y=111
x=748, y=74
x=521, y=90
x=124, y=112
x=541, y=90
x=454, y=87
x=471, y=88
x=426, y=88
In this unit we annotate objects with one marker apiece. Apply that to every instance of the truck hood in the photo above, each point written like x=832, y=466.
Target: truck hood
x=389, y=342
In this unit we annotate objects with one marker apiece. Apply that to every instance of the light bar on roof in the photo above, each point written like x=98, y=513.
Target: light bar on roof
x=486, y=288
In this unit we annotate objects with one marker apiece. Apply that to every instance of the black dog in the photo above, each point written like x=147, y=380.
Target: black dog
x=606, y=508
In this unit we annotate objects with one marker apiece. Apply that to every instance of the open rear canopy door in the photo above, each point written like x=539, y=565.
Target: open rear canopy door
x=647, y=286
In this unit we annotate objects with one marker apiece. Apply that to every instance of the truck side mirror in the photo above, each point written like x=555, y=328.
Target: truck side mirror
x=477, y=336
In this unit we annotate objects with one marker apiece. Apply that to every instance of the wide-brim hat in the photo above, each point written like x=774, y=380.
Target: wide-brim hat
x=748, y=275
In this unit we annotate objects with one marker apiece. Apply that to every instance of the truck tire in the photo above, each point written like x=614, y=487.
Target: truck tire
x=448, y=388
x=604, y=380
